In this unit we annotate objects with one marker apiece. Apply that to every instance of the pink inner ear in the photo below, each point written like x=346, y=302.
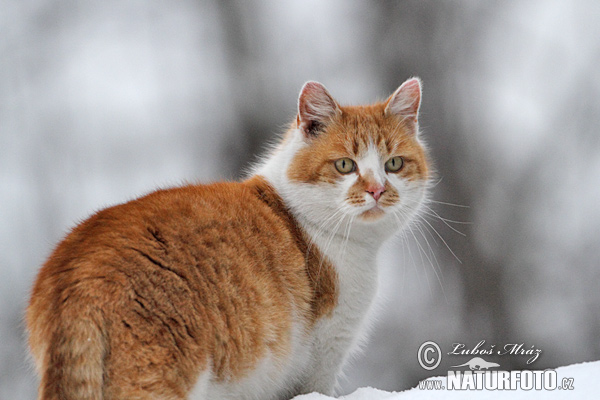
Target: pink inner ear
x=405, y=102
x=315, y=107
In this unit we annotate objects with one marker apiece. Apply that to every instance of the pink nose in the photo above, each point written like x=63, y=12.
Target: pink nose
x=376, y=191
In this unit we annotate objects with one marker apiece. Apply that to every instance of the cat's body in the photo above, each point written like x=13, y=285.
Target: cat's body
x=249, y=290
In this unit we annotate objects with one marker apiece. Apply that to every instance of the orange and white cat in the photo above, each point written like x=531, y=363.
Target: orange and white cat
x=242, y=290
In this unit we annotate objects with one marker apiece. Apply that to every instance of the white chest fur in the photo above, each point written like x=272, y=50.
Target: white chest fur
x=354, y=262
x=334, y=337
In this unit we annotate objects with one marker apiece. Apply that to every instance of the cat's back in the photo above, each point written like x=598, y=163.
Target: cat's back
x=221, y=223
x=180, y=279
x=186, y=211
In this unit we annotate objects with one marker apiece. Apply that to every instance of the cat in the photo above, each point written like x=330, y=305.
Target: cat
x=258, y=289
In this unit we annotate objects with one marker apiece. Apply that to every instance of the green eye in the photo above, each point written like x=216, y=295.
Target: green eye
x=394, y=164
x=345, y=165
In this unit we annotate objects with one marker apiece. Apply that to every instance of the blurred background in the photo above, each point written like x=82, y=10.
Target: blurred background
x=103, y=101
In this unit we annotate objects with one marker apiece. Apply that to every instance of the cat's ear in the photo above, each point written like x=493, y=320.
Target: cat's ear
x=405, y=101
x=316, y=108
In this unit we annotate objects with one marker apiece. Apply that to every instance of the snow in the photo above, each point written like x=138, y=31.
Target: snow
x=586, y=385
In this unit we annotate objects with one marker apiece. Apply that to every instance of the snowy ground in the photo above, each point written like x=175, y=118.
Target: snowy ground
x=585, y=385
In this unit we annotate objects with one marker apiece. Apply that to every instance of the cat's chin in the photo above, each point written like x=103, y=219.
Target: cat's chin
x=372, y=214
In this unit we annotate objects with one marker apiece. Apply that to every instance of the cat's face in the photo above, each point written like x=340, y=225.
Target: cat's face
x=359, y=164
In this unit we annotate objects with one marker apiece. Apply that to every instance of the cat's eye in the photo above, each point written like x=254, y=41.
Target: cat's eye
x=394, y=164
x=345, y=165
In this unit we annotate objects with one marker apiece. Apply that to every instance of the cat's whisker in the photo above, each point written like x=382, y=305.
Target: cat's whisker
x=322, y=226
x=441, y=238
x=421, y=251
x=412, y=257
x=410, y=253
x=329, y=241
x=433, y=261
x=448, y=204
x=434, y=217
x=433, y=213
x=430, y=212
x=434, y=258
x=405, y=248
x=421, y=222
x=346, y=236
x=418, y=226
x=321, y=229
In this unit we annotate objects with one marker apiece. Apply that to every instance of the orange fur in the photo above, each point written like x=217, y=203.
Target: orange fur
x=141, y=297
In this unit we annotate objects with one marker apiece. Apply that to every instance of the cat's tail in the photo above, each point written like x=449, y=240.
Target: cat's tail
x=74, y=367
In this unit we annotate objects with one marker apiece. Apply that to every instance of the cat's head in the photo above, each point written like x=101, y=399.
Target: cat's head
x=364, y=164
